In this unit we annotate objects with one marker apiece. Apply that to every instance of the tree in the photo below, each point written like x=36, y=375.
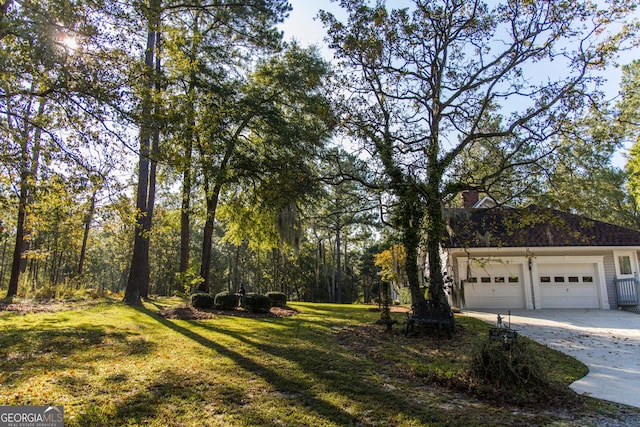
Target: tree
x=47, y=87
x=345, y=204
x=580, y=177
x=264, y=136
x=628, y=119
x=427, y=84
x=149, y=136
x=242, y=23
x=207, y=48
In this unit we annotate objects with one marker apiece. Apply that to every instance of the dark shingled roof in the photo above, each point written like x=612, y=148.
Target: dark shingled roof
x=531, y=227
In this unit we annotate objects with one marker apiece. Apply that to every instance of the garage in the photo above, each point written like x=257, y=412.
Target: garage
x=568, y=285
x=493, y=285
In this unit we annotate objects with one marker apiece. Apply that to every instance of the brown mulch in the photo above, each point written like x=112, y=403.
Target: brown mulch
x=393, y=309
x=191, y=313
x=27, y=307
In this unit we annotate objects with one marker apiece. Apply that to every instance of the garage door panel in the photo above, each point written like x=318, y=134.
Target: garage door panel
x=570, y=285
x=493, y=297
x=494, y=286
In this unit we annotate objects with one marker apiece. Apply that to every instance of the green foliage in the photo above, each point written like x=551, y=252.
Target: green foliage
x=278, y=299
x=580, y=177
x=202, y=300
x=256, y=303
x=226, y=301
x=188, y=280
x=514, y=369
x=404, y=296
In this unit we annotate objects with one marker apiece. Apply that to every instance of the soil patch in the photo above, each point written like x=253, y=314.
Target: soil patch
x=26, y=307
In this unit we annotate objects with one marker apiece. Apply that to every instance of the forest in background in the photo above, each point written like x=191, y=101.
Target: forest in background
x=165, y=147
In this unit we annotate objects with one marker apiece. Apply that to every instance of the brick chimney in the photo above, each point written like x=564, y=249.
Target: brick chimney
x=469, y=198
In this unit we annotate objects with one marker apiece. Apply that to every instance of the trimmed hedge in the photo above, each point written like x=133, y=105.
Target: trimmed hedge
x=278, y=299
x=202, y=300
x=256, y=303
x=226, y=301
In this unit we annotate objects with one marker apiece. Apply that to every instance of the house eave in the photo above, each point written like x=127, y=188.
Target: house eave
x=538, y=249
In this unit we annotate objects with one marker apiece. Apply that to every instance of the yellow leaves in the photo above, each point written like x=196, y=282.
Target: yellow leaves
x=392, y=262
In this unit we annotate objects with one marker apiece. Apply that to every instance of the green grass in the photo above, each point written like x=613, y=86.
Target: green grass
x=111, y=365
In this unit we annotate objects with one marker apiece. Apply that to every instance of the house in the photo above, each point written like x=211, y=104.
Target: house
x=538, y=258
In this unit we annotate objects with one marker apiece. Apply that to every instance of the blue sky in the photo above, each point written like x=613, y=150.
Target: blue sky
x=303, y=26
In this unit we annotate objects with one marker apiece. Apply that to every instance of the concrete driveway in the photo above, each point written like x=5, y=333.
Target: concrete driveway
x=607, y=341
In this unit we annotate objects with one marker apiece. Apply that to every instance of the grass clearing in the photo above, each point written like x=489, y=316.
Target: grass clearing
x=329, y=365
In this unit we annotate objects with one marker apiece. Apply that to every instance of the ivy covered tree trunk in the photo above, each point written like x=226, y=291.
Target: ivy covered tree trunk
x=412, y=215
x=435, y=230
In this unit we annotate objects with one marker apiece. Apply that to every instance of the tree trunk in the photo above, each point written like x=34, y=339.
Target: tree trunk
x=87, y=227
x=151, y=196
x=207, y=239
x=20, y=240
x=185, y=213
x=412, y=213
x=338, y=267
x=28, y=176
x=435, y=229
x=138, y=280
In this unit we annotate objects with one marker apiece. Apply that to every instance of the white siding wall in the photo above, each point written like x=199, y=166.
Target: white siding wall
x=610, y=275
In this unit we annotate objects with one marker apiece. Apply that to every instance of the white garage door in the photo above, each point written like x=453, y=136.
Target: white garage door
x=571, y=285
x=494, y=286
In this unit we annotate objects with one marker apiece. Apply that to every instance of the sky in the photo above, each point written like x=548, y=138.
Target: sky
x=303, y=26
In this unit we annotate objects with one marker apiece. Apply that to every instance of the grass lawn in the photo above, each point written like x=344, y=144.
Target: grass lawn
x=328, y=365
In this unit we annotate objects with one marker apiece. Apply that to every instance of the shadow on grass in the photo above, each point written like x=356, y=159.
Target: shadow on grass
x=355, y=376
x=284, y=385
x=326, y=370
x=23, y=352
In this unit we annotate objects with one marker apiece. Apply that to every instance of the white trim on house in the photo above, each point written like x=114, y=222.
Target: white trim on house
x=633, y=261
x=484, y=203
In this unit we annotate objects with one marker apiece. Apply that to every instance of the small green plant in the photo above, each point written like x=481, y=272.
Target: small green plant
x=188, y=280
x=278, y=299
x=226, y=301
x=256, y=303
x=202, y=300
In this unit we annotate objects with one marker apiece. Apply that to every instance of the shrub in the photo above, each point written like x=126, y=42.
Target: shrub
x=256, y=303
x=278, y=299
x=514, y=369
x=202, y=300
x=226, y=301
